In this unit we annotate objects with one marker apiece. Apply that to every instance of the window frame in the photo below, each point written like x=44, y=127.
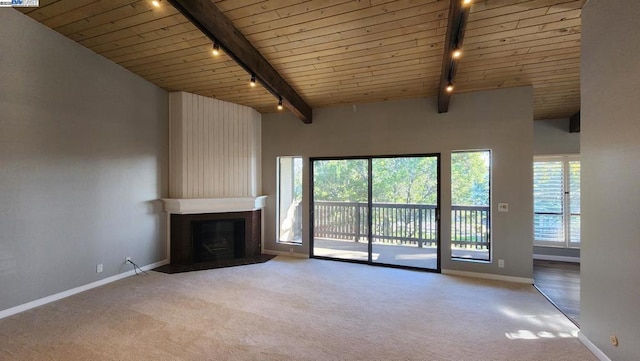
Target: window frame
x=278, y=196
x=489, y=212
x=567, y=212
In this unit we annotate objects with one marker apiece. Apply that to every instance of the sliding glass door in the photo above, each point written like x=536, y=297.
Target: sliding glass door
x=378, y=210
x=340, y=192
x=404, y=211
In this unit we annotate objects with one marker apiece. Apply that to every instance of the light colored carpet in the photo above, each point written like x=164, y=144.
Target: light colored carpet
x=294, y=309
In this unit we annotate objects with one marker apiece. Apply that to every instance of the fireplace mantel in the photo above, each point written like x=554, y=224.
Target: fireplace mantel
x=213, y=205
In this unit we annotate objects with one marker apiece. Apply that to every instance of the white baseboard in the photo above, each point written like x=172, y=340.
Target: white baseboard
x=489, y=276
x=43, y=301
x=546, y=257
x=593, y=348
x=287, y=254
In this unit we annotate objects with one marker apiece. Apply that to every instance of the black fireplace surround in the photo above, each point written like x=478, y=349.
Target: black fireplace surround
x=215, y=237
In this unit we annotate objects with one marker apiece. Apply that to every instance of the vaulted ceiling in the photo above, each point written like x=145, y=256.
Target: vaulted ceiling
x=339, y=51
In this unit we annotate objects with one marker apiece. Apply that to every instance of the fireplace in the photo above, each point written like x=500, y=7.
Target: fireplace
x=215, y=240
x=214, y=184
x=215, y=237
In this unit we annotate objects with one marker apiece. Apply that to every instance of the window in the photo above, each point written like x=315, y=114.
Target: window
x=556, y=201
x=289, y=207
x=470, y=205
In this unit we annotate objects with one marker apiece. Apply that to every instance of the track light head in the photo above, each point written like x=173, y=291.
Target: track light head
x=216, y=49
x=449, y=88
x=253, y=81
x=280, y=104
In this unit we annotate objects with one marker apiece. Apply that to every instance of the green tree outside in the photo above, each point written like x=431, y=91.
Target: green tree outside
x=403, y=180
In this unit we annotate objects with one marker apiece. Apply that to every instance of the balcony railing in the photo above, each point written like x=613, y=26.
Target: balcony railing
x=400, y=224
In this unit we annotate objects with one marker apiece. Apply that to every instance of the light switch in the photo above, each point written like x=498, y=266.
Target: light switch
x=503, y=207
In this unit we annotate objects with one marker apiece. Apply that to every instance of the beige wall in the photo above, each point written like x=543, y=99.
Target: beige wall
x=553, y=137
x=610, y=270
x=498, y=120
x=83, y=163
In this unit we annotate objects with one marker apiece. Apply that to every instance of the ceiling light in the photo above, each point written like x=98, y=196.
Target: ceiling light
x=449, y=88
x=280, y=104
x=457, y=53
x=253, y=81
x=466, y=2
x=156, y=3
x=216, y=49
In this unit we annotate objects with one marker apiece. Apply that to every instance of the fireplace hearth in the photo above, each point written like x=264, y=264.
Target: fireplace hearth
x=213, y=240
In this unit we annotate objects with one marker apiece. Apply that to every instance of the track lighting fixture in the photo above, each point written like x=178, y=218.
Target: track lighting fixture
x=253, y=81
x=456, y=25
x=156, y=3
x=280, y=104
x=216, y=49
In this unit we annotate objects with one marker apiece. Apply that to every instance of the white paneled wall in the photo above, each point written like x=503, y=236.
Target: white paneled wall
x=215, y=148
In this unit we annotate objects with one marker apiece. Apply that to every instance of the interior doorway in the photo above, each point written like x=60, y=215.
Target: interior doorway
x=377, y=210
x=559, y=282
x=556, y=226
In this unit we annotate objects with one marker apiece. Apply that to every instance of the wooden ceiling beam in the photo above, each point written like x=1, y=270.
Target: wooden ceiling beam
x=574, y=123
x=456, y=26
x=216, y=26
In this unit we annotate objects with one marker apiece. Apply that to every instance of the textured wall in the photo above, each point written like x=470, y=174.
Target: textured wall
x=553, y=137
x=83, y=162
x=498, y=120
x=215, y=148
x=610, y=282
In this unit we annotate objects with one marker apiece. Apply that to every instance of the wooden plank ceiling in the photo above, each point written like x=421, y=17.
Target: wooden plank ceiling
x=339, y=51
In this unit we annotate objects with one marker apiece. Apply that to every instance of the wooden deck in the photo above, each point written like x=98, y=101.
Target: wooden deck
x=383, y=253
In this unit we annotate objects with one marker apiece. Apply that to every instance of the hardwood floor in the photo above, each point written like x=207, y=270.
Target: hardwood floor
x=560, y=283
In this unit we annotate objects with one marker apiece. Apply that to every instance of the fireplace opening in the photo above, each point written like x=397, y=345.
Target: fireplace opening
x=215, y=240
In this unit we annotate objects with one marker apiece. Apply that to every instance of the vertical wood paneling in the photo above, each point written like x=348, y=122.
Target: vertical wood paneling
x=245, y=176
x=219, y=146
x=257, y=152
x=175, y=154
x=215, y=148
x=226, y=166
x=188, y=122
x=207, y=151
x=201, y=146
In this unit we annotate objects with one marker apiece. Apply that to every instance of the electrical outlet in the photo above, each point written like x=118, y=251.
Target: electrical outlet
x=99, y=268
x=127, y=260
x=500, y=263
x=614, y=340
